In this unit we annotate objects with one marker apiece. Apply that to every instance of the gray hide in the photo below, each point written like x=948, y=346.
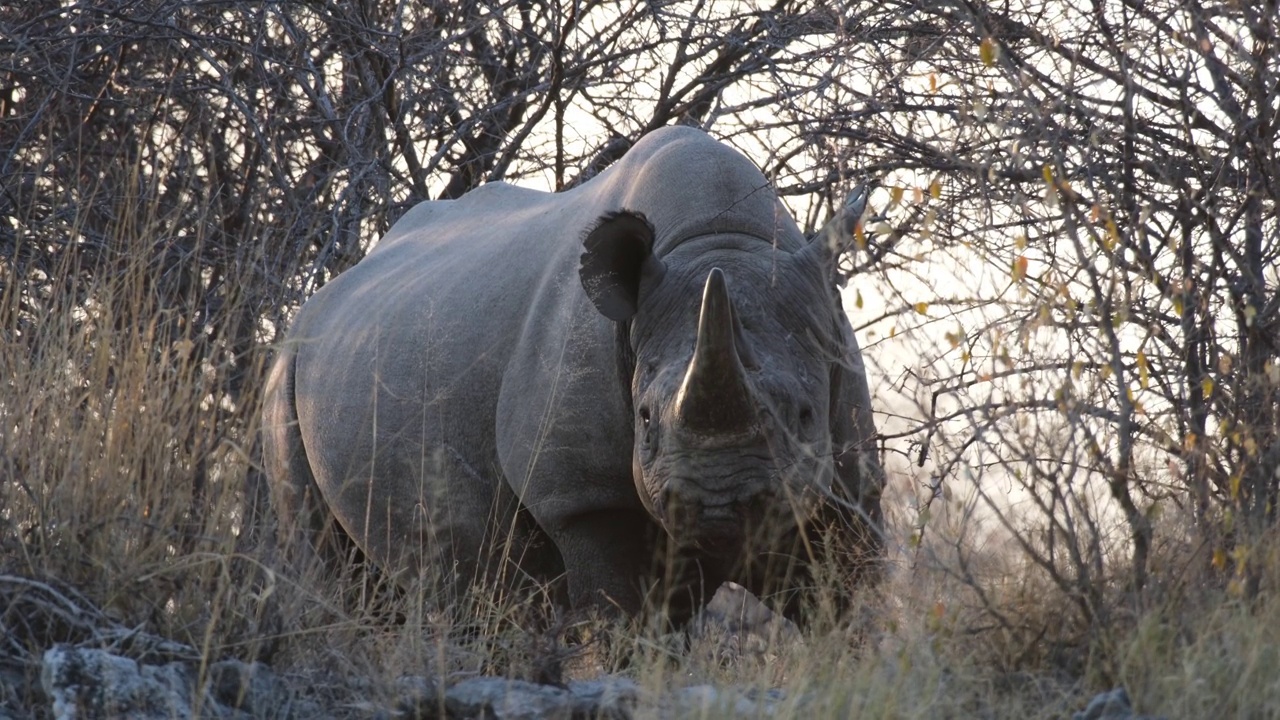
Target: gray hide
x=515, y=372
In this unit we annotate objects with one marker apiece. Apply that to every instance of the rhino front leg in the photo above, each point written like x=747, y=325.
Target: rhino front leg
x=606, y=554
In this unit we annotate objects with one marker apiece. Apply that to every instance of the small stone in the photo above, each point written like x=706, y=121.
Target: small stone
x=738, y=624
x=700, y=700
x=610, y=698
x=419, y=697
x=1112, y=705
x=250, y=687
x=503, y=699
x=87, y=684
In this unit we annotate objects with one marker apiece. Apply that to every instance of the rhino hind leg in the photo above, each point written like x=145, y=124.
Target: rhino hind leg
x=306, y=532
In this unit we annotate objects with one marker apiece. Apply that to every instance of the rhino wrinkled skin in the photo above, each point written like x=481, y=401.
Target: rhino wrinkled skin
x=646, y=371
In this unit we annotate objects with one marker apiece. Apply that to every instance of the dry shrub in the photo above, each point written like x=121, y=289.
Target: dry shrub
x=1116, y=336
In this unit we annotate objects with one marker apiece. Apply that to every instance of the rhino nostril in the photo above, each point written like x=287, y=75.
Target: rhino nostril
x=677, y=503
x=806, y=418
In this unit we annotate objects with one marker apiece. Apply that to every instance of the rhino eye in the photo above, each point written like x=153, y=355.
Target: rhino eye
x=647, y=439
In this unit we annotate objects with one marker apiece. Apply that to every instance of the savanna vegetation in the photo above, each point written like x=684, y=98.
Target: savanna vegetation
x=1065, y=285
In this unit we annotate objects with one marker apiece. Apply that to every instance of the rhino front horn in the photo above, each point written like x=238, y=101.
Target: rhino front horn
x=715, y=399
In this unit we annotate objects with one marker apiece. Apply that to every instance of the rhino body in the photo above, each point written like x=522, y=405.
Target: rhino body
x=651, y=369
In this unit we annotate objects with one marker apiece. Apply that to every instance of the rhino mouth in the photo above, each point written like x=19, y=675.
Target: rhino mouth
x=720, y=538
x=717, y=529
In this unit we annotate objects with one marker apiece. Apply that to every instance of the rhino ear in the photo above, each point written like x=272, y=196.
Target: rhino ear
x=617, y=255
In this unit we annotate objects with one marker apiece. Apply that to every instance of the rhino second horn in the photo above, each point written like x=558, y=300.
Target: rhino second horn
x=715, y=398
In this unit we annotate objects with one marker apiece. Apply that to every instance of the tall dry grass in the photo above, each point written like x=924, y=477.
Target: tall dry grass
x=125, y=460
x=130, y=473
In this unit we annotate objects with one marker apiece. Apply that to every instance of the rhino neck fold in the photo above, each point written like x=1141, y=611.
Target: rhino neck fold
x=715, y=397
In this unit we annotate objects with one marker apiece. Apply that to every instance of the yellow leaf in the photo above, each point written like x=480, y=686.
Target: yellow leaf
x=1240, y=553
x=1206, y=386
x=895, y=195
x=860, y=236
x=1077, y=369
x=1112, y=236
x=922, y=307
x=933, y=82
x=183, y=348
x=935, y=189
x=1234, y=484
x=987, y=51
x=1020, y=242
x=1177, y=305
x=1047, y=173
x=857, y=300
x=1235, y=588
x=1189, y=442
x=1219, y=559
x=1144, y=373
x=1020, y=268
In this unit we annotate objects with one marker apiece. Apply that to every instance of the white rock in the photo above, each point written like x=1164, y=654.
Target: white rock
x=87, y=684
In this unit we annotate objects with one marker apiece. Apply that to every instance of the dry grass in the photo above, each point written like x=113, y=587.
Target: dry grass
x=129, y=474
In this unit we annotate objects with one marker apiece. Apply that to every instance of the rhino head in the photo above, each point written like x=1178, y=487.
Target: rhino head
x=730, y=344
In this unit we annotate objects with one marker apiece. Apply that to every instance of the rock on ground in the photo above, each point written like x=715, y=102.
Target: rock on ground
x=736, y=624
x=96, y=684
x=87, y=684
x=92, y=684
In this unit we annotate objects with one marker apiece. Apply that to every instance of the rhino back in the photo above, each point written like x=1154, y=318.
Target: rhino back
x=418, y=333
x=689, y=184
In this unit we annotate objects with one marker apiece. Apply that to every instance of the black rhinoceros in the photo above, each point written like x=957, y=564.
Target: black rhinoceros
x=585, y=385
